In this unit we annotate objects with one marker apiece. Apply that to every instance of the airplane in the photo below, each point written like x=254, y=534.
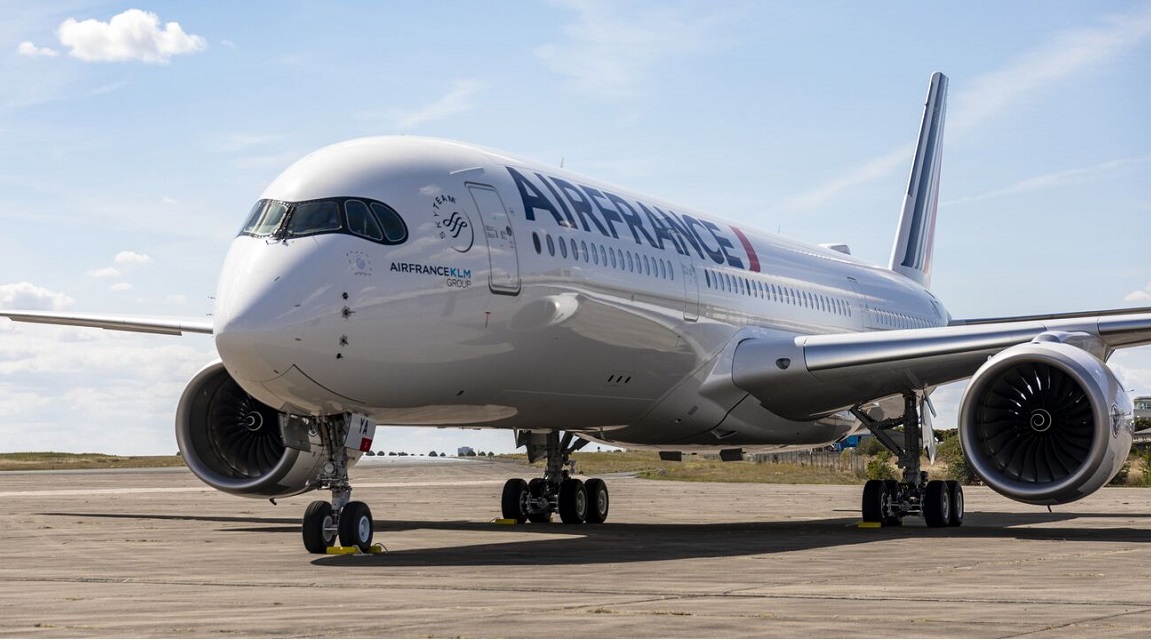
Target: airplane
x=417, y=281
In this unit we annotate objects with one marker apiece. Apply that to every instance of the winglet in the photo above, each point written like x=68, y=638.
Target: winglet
x=911, y=255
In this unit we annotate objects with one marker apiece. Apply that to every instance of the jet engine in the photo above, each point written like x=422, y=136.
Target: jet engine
x=235, y=443
x=1045, y=422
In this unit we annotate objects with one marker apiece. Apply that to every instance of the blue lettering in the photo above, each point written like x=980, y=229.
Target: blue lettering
x=724, y=245
x=532, y=198
x=692, y=225
x=632, y=219
x=580, y=204
x=609, y=214
x=556, y=195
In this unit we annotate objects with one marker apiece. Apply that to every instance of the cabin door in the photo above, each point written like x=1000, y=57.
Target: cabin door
x=504, y=274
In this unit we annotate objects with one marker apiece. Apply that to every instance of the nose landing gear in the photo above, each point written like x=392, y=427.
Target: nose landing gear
x=574, y=500
x=344, y=519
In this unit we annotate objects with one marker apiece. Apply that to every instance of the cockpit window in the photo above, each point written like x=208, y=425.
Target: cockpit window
x=367, y=219
x=361, y=221
x=265, y=218
x=310, y=218
x=394, y=228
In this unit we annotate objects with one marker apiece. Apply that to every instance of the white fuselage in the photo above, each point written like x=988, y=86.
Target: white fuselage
x=529, y=297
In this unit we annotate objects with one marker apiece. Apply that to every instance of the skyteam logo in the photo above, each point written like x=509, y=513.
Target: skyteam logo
x=452, y=224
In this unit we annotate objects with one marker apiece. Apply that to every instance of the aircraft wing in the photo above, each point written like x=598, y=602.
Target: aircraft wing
x=167, y=326
x=809, y=376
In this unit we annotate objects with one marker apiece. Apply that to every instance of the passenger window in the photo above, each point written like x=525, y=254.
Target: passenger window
x=563, y=247
x=551, y=246
x=362, y=223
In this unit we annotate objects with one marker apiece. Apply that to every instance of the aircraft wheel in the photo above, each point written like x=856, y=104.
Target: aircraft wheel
x=512, y=501
x=937, y=504
x=573, y=501
x=874, y=496
x=319, y=534
x=598, y=501
x=956, y=491
x=356, y=526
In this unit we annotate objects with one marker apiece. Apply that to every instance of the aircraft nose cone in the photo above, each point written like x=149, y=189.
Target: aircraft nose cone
x=261, y=309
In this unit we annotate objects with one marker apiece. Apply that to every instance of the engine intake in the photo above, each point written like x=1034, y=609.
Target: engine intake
x=1045, y=423
x=234, y=443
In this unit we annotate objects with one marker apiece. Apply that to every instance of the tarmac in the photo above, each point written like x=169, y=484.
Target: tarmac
x=155, y=553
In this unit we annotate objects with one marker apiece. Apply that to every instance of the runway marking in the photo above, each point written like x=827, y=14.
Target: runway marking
x=139, y=490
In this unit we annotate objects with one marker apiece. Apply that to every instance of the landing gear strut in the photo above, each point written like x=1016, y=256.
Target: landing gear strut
x=574, y=500
x=939, y=502
x=342, y=518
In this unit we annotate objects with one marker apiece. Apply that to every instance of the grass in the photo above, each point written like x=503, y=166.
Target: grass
x=646, y=464
x=54, y=461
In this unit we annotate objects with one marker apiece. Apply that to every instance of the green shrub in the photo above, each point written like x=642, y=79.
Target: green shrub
x=879, y=466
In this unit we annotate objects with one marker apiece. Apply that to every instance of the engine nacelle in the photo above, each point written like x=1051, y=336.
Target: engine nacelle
x=1045, y=422
x=234, y=443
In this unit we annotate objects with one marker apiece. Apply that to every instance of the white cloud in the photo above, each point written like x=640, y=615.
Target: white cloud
x=106, y=272
x=457, y=101
x=871, y=170
x=1141, y=296
x=27, y=296
x=131, y=257
x=126, y=387
x=32, y=51
x=131, y=35
x=608, y=56
x=122, y=286
x=997, y=91
x=1051, y=180
x=1066, y=54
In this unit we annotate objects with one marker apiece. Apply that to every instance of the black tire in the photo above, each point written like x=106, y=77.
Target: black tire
x=956, y=491
x=319, y=534
x=598, y=501
x=874, y=493
x=356, y=528
x=512, y=501
x=573, y=501
x=538, y=488
x=937, y=504
x=892, y=487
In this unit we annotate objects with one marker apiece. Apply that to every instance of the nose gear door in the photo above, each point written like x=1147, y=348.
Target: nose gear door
x=504, y=275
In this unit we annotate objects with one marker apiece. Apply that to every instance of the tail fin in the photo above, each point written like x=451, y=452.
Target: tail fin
x=911, y=255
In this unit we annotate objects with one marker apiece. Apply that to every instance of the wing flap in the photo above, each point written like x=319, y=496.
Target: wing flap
x=166, y=326
x=807, y=377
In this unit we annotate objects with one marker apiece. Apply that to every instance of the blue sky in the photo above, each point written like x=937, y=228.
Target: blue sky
x=129, y=163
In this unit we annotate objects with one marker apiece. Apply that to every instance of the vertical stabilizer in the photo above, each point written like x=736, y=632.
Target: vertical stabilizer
x=911, y=255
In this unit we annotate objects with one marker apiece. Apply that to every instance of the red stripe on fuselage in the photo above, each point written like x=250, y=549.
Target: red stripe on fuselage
x=752, y=258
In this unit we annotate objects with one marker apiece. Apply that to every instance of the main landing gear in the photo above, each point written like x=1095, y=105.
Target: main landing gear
x=557, y=492
x=348, y=521
x=939, y=502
